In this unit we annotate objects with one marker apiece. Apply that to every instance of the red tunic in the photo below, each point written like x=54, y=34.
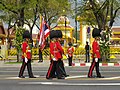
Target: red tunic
x=26, y=50
x=96, y=49
x=70, y=51
x=56, y=50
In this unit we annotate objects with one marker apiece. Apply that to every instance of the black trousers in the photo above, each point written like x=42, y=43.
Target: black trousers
x=87, y=57
x=51, y=70
x=96, y=65
x=40, y=56
x=62, y=68
x=70, y=60
x=56, y=69
x=22, y=69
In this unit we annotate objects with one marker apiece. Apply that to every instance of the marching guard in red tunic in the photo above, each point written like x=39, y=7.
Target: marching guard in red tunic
x=70, y=51
x=96, y=54
x=61, y=63
x=26, y=56
x=56, y=52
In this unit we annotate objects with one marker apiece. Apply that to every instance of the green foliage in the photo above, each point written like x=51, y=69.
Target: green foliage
x=78, y=35
x=104, y=44
x=105, y=51
x=19, y=38
x=52, y=9
x=101, y=13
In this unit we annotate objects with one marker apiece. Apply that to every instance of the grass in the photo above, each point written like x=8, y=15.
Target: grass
x=13, y=62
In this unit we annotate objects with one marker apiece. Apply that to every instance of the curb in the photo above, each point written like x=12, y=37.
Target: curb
x=89, y=64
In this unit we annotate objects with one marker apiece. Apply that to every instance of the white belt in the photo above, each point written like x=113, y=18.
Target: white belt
x=97, y=50
x=29, y=50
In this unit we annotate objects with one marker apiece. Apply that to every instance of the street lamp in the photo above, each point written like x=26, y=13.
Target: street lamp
x=65, y=43
x=65, y=26
x=76, y=19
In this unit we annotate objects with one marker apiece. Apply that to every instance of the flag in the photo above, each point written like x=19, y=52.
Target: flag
x=44, y=33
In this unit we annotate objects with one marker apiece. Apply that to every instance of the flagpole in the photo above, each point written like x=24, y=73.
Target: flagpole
x=40, y=51
x=40, y=20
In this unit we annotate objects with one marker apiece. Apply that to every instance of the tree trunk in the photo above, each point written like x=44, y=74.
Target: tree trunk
x=19, y=56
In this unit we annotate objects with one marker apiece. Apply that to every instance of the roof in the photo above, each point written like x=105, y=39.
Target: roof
x=69, y=27
x=116, y=29
x=61, y=24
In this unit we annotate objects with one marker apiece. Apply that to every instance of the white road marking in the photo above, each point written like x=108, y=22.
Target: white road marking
x=101, y=71
x=110, y=78
x=20, y=78
x=12, y=78
x=72, y=77
x=69, y=71
x=70, y=84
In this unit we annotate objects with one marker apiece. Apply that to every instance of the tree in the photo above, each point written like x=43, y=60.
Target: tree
x=23, y=12
x=17, y=12
x=103, y=14
x=52, y=9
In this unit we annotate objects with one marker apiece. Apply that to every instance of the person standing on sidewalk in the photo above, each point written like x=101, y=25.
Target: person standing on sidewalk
x=96, y=54
x=70, y=51
x=26, y=56
x=40, y=55
x=87, y=54
x=40, y=51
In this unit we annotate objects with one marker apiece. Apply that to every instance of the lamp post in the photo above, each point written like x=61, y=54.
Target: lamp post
x=65, y=22
x=76, y=19
x=65, y=31
x=65, y=27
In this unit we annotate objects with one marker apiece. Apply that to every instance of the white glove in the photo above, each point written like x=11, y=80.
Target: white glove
x=26, y=60
x=96, y=59
x=67, y=55
x=54, y=59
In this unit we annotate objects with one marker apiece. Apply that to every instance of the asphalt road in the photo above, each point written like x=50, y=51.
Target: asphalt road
x=76, y=81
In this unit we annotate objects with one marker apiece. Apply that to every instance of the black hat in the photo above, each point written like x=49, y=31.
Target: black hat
x=55, y=34
x=70, y=44
x=52, y=34
x=59, y=34
x=26, y=34
x=96, y=33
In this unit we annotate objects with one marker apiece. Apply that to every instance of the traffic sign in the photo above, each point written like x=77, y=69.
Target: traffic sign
x=88, y=30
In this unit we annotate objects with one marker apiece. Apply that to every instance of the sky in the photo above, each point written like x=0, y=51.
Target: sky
x=72, y=21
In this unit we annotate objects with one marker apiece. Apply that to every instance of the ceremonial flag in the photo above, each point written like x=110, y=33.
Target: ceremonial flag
x=44, y=33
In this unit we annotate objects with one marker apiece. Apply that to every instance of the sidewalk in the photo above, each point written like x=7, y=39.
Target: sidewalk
x=46, y=63
x=35, y=63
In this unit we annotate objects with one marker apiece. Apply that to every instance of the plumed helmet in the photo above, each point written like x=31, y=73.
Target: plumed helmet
x=26, y=34
x=96, y=33
x=59, y=34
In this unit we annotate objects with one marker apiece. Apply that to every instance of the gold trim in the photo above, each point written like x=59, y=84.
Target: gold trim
x=3, y=36
x=116, y=32
x=115, y=38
